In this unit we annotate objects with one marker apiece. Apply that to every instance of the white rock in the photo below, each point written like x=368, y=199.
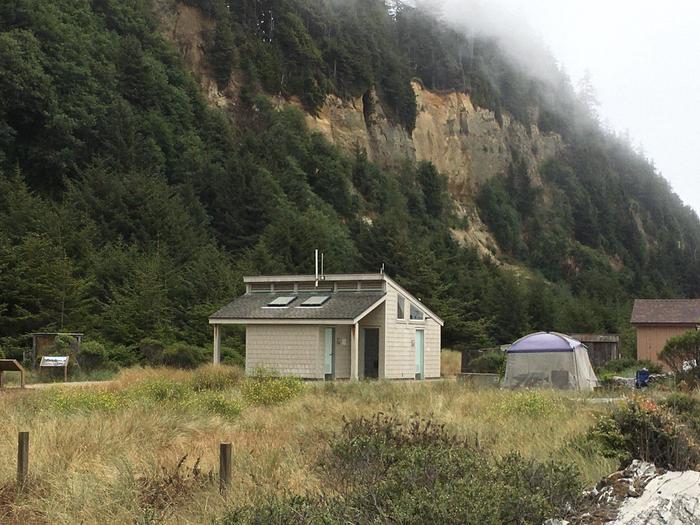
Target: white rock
x=670, y=499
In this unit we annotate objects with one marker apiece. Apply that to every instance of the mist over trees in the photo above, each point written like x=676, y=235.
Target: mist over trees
x=129, y=209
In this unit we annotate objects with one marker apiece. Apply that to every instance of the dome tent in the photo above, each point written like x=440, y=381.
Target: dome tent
x=549, y=359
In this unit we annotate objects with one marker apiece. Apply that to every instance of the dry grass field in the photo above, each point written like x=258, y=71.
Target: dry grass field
x=110, y=454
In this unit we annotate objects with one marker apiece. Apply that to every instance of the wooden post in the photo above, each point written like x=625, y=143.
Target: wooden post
x=1, y=382
x=354, y=352
x=22, y=458
x=217, y=344
x=224, y=466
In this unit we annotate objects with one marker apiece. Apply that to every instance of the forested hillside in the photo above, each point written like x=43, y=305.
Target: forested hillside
x=130, y=208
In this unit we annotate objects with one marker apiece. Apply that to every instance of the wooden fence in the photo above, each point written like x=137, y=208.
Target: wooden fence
x=225, y=450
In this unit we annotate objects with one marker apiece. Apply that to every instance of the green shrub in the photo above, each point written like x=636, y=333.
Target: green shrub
x=605, y=379
x=385, y=470
x=217, y=403
x=231, y=356
x=266, y=388
x=123, y=356
x=62, y=345
x=681, y=403
x=208, y=397
x=160, y=389
x=489, y=363
x=686, y=408
x=533, y=491
x=183, y=355
x=530, y=403
x=680, y=350
x=616, y=366
x=641, y=429
x=606, y=438
x=83, y=399
x=92, y=355
x=15, y=348
x=151, y=351
x=654, y=368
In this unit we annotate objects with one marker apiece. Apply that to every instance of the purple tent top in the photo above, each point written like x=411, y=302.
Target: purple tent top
x=544, y=342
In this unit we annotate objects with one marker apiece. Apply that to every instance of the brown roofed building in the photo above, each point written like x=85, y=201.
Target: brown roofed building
x=657, y=320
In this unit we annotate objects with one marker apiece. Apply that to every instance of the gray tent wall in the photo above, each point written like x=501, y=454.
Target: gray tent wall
x=549, y=359
x=587, y=379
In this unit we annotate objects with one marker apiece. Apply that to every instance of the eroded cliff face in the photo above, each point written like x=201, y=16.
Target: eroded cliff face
x=189, y=30
x=464, y=141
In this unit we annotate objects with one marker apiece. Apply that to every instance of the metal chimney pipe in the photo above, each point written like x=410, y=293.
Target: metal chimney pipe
x=316, y=264
x=323, y=273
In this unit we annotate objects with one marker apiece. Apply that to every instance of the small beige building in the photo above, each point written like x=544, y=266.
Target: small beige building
x=657, y=320
x=343, y=326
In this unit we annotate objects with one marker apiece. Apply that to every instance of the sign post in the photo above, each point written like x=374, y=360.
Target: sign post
x=55, y=361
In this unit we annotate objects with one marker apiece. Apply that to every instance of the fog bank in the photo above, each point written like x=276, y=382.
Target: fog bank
x=642, y=57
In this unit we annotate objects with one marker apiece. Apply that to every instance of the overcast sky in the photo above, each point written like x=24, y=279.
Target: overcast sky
x=644, y=60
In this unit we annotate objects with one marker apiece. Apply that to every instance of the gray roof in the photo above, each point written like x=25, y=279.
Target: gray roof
x=666, y=311
x=341, y=305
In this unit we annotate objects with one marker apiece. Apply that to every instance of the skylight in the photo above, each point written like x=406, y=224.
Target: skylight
x=279, y=302
x=316, y=300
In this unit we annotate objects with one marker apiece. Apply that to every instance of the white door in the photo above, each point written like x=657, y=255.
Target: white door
x=420, y=354
x=329, y=350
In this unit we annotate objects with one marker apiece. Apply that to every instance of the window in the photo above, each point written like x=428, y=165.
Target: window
x=316, y=300
x=400, y=303
x=281, y=302
x=416, y=314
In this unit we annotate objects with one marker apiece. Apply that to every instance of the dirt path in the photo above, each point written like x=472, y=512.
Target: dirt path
x=69, y=384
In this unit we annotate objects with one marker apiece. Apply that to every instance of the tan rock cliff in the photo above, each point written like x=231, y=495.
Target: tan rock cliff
x=462, y=140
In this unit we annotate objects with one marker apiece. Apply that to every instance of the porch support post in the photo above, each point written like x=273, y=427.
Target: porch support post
x=354, y=352
x=217, y=344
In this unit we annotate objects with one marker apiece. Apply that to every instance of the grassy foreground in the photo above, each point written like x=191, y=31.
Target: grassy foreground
x=110, y=454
